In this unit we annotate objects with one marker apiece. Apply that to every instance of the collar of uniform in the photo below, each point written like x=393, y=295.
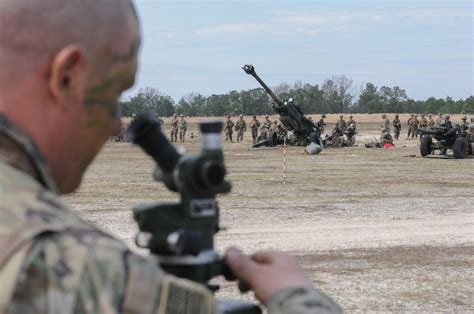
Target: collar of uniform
x=22, y=153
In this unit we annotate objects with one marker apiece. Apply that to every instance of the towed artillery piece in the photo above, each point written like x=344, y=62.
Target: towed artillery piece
x=447, y=137
x=291, y=116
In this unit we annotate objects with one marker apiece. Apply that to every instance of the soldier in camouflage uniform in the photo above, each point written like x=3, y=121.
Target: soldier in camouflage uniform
x=439, y=119
x=341, y=123
x=265, y=127
x=385, y=127
x=51, y=260
x=423, y=124
x=174, y=129
x=415, y=123
x=240, y=128
x=397, y=127
x=254, y=126
x=464, y=126
x=229, y=126
x=182, y=128
x=351, y=121
x=321, y=124
x=431, y=122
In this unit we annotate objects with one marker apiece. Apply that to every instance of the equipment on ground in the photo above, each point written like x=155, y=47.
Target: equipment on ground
x=181, y=235
x=291, y=116
x=447, y=137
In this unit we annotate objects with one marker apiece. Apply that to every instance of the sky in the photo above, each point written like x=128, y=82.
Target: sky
x=422, y=46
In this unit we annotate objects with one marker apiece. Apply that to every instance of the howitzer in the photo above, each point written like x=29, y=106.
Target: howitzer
x=447, y=137
x=291, y=116
x=181, y=235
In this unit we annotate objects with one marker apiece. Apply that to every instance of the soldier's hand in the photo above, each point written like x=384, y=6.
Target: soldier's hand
x=266, y=272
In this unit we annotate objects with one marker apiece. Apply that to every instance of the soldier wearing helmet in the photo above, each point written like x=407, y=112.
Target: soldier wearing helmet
x=174, y=128
x=352, y=122
x=265, y=127
x=254, y=126
x=341, y=124
x=439, y=119
x=385, y=124
x=320, y=124
x=464, y=124
x=240, y=128
x=182, y=127
x=397, y=127
x=431, y=122
x=229, y=126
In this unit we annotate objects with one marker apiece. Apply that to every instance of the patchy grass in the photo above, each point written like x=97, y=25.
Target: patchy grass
x=376, y=230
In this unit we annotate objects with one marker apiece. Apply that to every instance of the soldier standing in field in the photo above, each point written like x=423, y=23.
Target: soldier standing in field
x=182, y=127
x=351, y=121
x=385, y=124
x=423, y=124
x=265, y=127
x=174, y=129
x=254, y=126
x=321, y=124
x=397, y=127
x=341, y=123
x=416, y=123
x=464, y=126
x=439, y=119
x=229, y=126
x=240, y=128
x=410, y=127
x=431, y=122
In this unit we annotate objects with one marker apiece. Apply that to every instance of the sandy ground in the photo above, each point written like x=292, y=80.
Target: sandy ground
x=378, y=230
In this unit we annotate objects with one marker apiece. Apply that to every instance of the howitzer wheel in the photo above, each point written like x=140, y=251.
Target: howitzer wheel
x=460, y=148
x=425, y=145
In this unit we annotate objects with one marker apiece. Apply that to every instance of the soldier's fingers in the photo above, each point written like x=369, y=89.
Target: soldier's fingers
x=264, y=257
x=242, y=266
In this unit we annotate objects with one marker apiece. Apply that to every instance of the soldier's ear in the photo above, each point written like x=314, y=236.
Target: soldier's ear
x=67, y=80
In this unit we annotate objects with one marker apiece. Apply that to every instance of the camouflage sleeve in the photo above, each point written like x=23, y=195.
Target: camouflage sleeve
x=301, y=300
x=87, y=273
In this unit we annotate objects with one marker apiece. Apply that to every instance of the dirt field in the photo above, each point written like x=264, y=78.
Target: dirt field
x=378, y=230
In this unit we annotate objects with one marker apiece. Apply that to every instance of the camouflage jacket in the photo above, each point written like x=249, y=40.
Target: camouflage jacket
x=52, y=261
x=254, y=124
x=229, y=124
x=396, y=123
x=240, y=125
x=174, y=123
x=182, y=124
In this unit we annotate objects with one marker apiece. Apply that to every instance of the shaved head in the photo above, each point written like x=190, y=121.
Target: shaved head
x=32, y=31
x=63, y=66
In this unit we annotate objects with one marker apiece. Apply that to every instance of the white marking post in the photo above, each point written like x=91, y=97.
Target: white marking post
x=284, y=161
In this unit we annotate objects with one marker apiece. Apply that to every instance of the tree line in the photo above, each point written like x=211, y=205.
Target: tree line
x=335, y=95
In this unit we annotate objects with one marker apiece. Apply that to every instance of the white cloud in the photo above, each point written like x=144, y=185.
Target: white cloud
x=233, y=29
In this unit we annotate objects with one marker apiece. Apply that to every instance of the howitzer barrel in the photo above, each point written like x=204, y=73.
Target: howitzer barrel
x=250, y=70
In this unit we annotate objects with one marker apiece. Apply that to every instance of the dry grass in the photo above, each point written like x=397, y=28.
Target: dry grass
x=377, y=230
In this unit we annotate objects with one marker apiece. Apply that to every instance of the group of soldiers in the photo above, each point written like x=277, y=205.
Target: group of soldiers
x=415, y=124
x=260, y=130
x=178, y=127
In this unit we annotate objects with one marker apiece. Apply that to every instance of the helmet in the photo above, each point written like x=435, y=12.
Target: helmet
x=241, y=116
x=350, y=116
x=429, y=115
x=341, y=116
x=412, y=115
x=266, y=116
x=275, y=121
x=323, y=115
x=174, y=114
x=255, y=117
x=182, y=116
x=228, y=116
x=396, y=116
x=384, y=115
x=464, y=118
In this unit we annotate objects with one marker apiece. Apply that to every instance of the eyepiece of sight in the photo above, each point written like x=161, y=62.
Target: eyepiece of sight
x=145, y=131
